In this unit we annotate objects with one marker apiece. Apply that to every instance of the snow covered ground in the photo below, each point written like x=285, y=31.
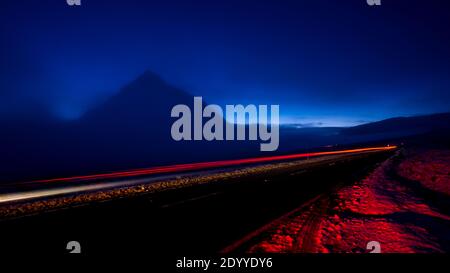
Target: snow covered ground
x=403, y=204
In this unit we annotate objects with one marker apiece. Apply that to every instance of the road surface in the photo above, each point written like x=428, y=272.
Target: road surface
x=204, y=217
x=97, y=182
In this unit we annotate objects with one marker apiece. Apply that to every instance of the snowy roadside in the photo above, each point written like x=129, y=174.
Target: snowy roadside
x=394, y=205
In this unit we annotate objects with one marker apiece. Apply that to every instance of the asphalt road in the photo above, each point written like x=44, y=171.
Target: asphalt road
x=201, y=219
x=39, y=189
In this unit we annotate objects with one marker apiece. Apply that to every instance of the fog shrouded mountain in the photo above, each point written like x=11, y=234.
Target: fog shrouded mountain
x=129, y=130
x=132, y=130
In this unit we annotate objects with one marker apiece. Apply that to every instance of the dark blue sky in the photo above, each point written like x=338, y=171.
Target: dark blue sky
x=328, y=62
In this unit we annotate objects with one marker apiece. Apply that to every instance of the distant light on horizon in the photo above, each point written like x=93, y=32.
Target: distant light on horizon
x=300, y=122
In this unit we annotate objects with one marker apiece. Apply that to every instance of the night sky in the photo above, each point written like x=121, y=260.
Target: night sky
x=327, y=63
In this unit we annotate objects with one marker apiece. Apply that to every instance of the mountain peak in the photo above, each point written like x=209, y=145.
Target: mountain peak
x=145, y=82
x=149, y=75
x=147, y=97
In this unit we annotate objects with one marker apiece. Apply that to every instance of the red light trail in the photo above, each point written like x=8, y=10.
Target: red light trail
x=208, y=165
